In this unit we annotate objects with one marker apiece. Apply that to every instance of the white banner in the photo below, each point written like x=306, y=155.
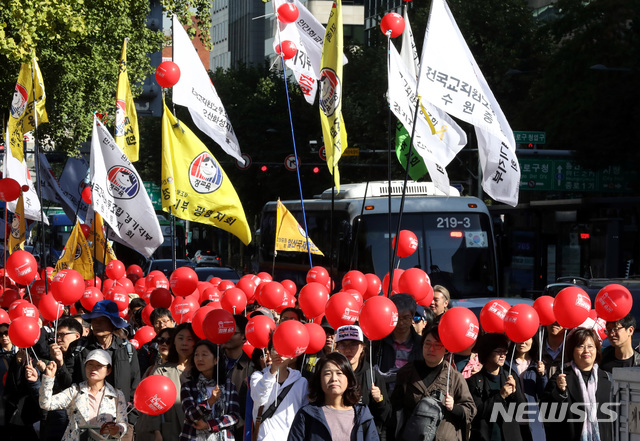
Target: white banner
x=451, y=80
x=119, y=195
x=195, y=91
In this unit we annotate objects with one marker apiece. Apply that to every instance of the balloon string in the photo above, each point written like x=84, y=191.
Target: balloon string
x=218, y=365
x=541, y=343
x=371, y=362
x=511, y=362
x=564, y=341
x=449, y=370
x=277, y=384
x=34, y=354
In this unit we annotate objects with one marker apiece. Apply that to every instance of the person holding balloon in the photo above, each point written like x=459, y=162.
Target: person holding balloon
x=92, y=403
x=494, y=385
x=373, y=390
x=334, y=412
x=209, y=401
x=433, y=377
x=278, y=392
x=621, y=352
x=582, y=382
x=552, y=347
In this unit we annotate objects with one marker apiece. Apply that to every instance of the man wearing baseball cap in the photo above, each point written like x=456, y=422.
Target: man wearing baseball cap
x=350, y=343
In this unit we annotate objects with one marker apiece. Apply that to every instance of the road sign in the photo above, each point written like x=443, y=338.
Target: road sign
x=566, y=175
x=290, y=163
x=351, y=151
x=322, y=153
x=247, y=162
x=153, y=190
x=530, y=137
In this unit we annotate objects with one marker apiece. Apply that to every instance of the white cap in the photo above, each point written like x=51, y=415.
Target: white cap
x=101, y=356
x=349, y=332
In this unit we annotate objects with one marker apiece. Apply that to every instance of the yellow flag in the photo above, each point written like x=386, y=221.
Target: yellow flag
x=76, y=254
x=127, y=135
x=69, y=252
x=289, y=234
x=194, y=186
x=333, y=129
x=22, y=118
x=16, y=238
x=96, y=239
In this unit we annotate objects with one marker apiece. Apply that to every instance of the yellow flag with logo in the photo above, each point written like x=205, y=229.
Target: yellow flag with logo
x=333, y=129
x=23, y=117
x=290, y=236
x=194, y=185
x=16, y=238
x=127, y=135
x=98, y=242
x=76, y=254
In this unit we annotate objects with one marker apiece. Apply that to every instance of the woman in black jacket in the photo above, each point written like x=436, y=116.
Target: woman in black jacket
x=583, y=391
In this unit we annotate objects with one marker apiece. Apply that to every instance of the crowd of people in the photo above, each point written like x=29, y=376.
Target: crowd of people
x=79, y=381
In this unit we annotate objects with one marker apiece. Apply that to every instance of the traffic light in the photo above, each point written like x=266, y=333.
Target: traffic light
x=316, y=169
x=263, y=168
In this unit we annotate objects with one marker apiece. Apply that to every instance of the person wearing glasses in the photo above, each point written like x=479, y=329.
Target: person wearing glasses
x=495, y=385
x=621, y=352
x=424, y=317
x=587, y=386
x=432, y=377
x=350, y=343
x=148, y=353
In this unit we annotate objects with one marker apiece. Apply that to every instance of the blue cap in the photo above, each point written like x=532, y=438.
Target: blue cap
x=108, y=309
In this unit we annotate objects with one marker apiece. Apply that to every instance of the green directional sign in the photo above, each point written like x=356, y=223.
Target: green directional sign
x=543, y=174
x=530, y=137
x=153, y=190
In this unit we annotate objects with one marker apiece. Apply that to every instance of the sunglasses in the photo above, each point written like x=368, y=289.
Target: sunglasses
x=4, y=333
x=163, y=341
x=417, y=319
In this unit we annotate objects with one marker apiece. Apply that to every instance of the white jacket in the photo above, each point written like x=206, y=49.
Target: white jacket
x=265, y=389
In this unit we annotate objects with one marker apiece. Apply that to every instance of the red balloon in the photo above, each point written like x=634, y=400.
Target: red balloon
x=198, y=319
x=184, y=281
x=408, y=242
x=285, y=302
x=248, y=286
x=313, y=299
x=94, y=283
x=182, y=309
x=248, y=349
x=86, y=230
x=259, y=330
x=9, y=189
x=50, y=308
x=291, y=339
x=115, y=270
x=22, y=308
x=264, y=277
x=318, y=274
x=140, y=286
x=397, y=273
x=613, y=302
x=355, y=280
x=544, y=307
x=287, y=49
x=219, y=326
x=24, y=332
x=341, y=310
x=571, y=307
x=234, y=300
x=521, y=322
x=288, y=13
x=86, y=195
x=225, y=285
x=146, y=315
x=155, y=395
x=458, y=329
x=271, y=295
x=22, y=267
x=119, y=295
x=135, y=269
x=374, y=286
x=135, y=343
x=67, y=286
x=157, y=279
x=38, y=289
x=290, y=286
x=417, y=284
x=167, y=74
x=4, y=317
x=127, y=285
x=599, y=324
x=492, y=315
x=378, y=317
x=212, y=294
x=393, y=24
x=144, y=335
x=90, y=297
x=317, y=337
x=8, y=297
x=356, y=295
x=161, y=298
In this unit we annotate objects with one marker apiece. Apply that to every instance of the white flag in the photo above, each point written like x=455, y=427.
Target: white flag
x=452, y=81
x=195, y=91
x=409, y=51
x=437, y=143
x=119, y=195
x=18, y=170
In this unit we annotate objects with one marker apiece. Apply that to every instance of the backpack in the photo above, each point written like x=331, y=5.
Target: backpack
x=424, y=421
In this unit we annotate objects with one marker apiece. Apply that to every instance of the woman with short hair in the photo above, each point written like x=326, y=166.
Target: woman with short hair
x=333, y=413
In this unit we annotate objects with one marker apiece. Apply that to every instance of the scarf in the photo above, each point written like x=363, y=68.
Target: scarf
x=590, y=431
x=218, y=409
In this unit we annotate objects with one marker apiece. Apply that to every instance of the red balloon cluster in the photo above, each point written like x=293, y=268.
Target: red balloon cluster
x=167, y=74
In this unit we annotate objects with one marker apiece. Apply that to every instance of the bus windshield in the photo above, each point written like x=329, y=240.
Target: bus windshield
x=455, y=249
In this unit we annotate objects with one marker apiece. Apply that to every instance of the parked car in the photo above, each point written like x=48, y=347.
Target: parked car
x=165, y=265
x=206, y=273
x=206, y=258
